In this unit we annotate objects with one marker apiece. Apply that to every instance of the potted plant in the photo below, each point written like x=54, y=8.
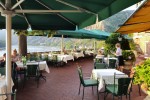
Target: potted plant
x=142, y=75
x=128, y=57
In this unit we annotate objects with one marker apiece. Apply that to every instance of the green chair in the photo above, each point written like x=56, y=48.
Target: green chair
x=112, y=63
x=100, y=66
x=86, y=82
x=54, y=60
x=2, y=70
x=13, y=94
x=99, y=60
x=123, y=87
x=33, y=71
x=57, y=61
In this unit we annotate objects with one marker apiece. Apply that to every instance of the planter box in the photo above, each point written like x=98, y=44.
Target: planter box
x=128, y=63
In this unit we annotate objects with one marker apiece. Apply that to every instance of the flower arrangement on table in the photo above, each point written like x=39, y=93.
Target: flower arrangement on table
x=24, y=60
x=142, y=75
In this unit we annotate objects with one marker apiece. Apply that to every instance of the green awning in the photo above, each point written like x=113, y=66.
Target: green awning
x=101, y=33
x=61, y=14
x=82, y=34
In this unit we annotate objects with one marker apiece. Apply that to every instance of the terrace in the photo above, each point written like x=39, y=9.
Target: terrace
x=63, y=83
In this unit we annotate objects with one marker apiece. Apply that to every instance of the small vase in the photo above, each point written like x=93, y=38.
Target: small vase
x=24, y=63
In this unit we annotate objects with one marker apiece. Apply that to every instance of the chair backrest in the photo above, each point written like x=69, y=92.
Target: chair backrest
x=112, y=63
x=2, y=70
x=14, y=71
x=54, y=57
x=80, y=75
x=124, y=84
x=99, y=65
x=99, y=60
x=32, y=70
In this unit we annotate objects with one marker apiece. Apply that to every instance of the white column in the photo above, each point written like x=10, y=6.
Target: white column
x=8, y=54
x=8, y=16
x=62, y=44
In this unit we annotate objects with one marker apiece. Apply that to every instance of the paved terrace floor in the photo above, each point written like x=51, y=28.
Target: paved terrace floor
x=63, y=83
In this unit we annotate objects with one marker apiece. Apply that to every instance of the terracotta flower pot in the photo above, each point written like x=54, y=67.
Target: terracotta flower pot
x=128, y=63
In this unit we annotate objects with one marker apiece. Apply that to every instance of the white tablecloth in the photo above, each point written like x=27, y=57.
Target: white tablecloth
x=63, y=58
x=44, y=55
x=78, y=54
x=3, y=87
x=42, y=65
x=99, y=56
x=89, y=52
x=107, y=75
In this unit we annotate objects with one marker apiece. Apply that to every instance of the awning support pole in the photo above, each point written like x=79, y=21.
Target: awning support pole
x=8, y=49
x=62, y=44
x=8, y=54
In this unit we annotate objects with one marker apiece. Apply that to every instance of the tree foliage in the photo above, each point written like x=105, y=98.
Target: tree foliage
x=48, y=33
x=112, y=40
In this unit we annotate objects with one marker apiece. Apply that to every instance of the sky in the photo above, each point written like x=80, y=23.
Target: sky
x=134, y=7
x=131, y=7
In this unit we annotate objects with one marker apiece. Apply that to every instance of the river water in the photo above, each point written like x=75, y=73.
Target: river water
x=32, y=49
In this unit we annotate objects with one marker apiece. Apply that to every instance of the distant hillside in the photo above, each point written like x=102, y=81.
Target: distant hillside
x=55, y=41
x=112, y=23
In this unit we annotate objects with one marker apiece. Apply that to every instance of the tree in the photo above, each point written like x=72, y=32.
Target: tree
x=112, y=40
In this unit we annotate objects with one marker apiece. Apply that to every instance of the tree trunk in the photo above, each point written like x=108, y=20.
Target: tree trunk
x=22, y=45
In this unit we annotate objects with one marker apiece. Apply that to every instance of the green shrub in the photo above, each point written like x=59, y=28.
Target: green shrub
x=128, y=55
x=142, y=75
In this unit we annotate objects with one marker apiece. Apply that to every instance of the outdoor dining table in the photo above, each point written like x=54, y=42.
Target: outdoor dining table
x=63, y=58
x=3, y=87
x=89, y=52
x=42, y=65
x=78, y=54
x=107, y=75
